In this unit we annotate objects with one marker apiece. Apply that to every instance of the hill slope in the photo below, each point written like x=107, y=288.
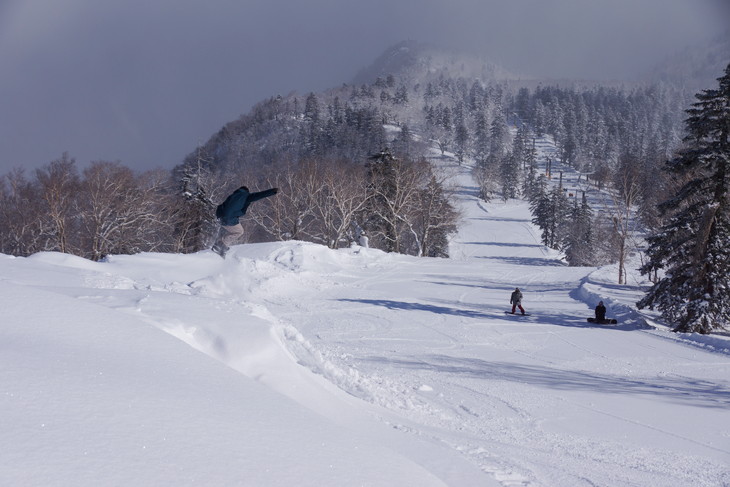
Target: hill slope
x=323, y=367
x=695, y=68
x=409, y=60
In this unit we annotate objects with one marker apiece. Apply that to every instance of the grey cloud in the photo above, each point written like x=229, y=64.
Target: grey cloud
x=144, y=82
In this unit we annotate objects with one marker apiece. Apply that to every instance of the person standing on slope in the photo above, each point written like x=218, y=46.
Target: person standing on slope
x=230, y=211
x=516, y=300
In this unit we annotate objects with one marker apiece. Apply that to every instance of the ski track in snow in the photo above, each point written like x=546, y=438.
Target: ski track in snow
x=544, y=400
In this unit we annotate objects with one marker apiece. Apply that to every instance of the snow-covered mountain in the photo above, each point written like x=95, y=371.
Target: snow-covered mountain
x=291, y=364
x=696, y=67
x=411, y=60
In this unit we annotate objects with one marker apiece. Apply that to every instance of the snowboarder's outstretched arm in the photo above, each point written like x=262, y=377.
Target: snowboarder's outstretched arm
x=262, y=194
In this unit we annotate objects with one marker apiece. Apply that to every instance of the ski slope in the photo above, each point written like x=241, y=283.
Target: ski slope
x=292, y=364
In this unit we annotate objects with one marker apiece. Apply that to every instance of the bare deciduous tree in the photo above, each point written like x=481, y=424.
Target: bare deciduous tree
x=20, y=215
x=394, y=200
x=289, y=216
x=342, y=198
x=119, y=211
x=623, y=212
x=436, y=218
x=58, y=186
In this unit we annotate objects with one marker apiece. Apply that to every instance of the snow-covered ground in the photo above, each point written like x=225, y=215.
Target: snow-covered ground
x=292, y=364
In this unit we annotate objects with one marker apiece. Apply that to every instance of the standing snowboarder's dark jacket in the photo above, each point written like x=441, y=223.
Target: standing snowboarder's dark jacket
x=516, y=297
x=235, y=206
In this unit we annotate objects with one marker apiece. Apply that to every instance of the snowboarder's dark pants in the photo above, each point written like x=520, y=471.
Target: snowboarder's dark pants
x=518, y=305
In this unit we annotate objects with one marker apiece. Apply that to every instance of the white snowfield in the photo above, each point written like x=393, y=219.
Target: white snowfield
x=289, y=364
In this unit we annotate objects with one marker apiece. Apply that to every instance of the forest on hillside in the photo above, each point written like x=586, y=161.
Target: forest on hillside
x=299, y=143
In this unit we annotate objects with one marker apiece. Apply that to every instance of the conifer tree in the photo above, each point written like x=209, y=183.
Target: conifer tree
x=382, y=190
x=481, y=139
x=498, y=138
x=551, y=212
x=579, y=245
x=401, y=95
x=520, y=145
x=510, y=176
x=530, y=184
x=692, y=247
x=311, y=129
x=461, y=140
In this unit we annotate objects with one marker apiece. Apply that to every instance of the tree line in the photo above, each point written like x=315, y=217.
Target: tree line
x=104, y=209
x=690, y=248
x=298, y=142
x=401, y=205
x=682, y=207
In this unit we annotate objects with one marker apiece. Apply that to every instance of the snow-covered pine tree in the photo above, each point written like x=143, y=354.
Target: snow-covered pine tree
x=481, y=139
x=311, y=130
x=498, y=138
x=403, y=142
x=693, y=247
x=579, y=244
x=530, y=184
x=461, y=140
x=551, y=212
x=461, y=133
x=510, y=176
x=519, y=144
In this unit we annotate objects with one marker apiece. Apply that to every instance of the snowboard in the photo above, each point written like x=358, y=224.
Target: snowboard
x=220, y=250
x=516, y=313
x=607, y=321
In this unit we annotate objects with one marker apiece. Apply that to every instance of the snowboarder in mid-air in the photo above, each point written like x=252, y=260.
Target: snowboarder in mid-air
x=516, y=300
x=230, y=211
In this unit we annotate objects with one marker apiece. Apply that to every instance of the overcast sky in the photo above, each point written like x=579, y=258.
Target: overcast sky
x=145, y=81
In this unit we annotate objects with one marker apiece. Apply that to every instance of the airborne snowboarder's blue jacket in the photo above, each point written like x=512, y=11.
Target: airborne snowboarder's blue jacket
x=235, y=206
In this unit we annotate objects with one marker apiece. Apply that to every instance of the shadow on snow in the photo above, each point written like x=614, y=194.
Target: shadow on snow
x=402, y=305
x=492, y=314
x=499, y=219
x=503, y=244
x=698, y=392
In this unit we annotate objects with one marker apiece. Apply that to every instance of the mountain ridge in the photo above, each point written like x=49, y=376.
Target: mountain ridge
x=407, y=56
